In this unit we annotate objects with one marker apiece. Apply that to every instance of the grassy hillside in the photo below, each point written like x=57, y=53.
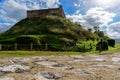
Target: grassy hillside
x=58, y=32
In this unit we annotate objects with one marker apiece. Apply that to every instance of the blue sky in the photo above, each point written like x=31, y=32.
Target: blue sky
x=89, y=13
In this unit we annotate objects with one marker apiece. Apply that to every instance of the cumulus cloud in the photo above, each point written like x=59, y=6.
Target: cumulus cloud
x=110, y=5
x=113, y=30
x=12, y=11
x=106, y=3
x=94, y=17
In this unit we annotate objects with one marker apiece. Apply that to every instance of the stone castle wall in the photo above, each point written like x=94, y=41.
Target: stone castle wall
x=44, y=12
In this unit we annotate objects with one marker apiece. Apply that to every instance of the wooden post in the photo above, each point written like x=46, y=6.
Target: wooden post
x=15, y=46
x=0, y=47
x=46, y=46
x=31, y=46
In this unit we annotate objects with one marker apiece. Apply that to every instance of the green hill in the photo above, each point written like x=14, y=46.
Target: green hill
x=55, y=31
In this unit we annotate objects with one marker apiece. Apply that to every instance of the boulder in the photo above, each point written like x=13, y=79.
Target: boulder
x=14, y=68
x=46, y=63
x=6, y=78
x=48, y=76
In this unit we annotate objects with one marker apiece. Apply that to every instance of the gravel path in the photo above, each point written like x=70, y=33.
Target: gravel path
x=75, y=67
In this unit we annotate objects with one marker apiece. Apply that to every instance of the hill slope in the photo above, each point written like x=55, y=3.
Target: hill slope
x=49, y=29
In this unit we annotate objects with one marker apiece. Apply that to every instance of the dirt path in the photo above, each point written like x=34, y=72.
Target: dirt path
x=77, y=67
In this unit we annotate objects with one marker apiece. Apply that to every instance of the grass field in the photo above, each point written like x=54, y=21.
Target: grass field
x=4, y=54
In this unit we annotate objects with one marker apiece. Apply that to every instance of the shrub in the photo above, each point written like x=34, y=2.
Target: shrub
x=102, y=45
x=87, y=39
x=53, y=42
x=111, y=42
x=26, y=40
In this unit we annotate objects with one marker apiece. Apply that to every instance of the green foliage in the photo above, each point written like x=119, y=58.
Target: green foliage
x=99, y=33
x=46, y=25
x=111, y=42
x=102, y=45
x=54, y=42
x=85, y=46
x=25, y=39
x=58, y=32
x=106, y=38
x=96, y=28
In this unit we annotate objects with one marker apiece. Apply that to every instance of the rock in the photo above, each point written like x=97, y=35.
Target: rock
x=11, y=61
x=83, y=72
x=2, y=73
x=46, y=63
x=116, y=59
x=6, y=78
x=104, y=66
x=61, y=57
x=18, y=70
x=40, y=58
x=74, y=61
x=48, y=76
x=99, y=59
x=62, y=67
x=118, y=68
x=19, y=60
x=78, y=57
x=94, y=56
x=14, y=68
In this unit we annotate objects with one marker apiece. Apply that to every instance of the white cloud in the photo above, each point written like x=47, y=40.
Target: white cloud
x=99, y=17
x=100, y=3
x=106, y=3
x=113, y=30
x=4, y=27
x=51, y=3
x=12, y=11
x=77, y=4
x=77, y=12
x=110, y=5
x=93, y=17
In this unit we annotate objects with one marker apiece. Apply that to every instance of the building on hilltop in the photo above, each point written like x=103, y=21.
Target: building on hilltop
x=45, y=12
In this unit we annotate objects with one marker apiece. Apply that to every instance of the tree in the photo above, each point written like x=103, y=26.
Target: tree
x=96, y=28
x=89, y=29
x=100, y=33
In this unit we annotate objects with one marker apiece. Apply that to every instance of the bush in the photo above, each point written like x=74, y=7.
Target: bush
x=102, y=45
x=87, y=39
x=26, y=40
x=111, y=42
x=53, y=42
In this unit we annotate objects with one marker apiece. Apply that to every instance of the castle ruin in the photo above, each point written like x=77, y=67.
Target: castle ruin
x=45, y=12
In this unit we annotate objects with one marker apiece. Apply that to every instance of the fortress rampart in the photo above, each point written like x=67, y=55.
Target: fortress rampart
x=45, y=12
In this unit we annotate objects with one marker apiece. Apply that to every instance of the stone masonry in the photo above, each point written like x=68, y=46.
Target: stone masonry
x=45, y=12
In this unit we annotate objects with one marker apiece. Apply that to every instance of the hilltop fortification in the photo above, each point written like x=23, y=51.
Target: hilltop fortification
x=44, y=12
